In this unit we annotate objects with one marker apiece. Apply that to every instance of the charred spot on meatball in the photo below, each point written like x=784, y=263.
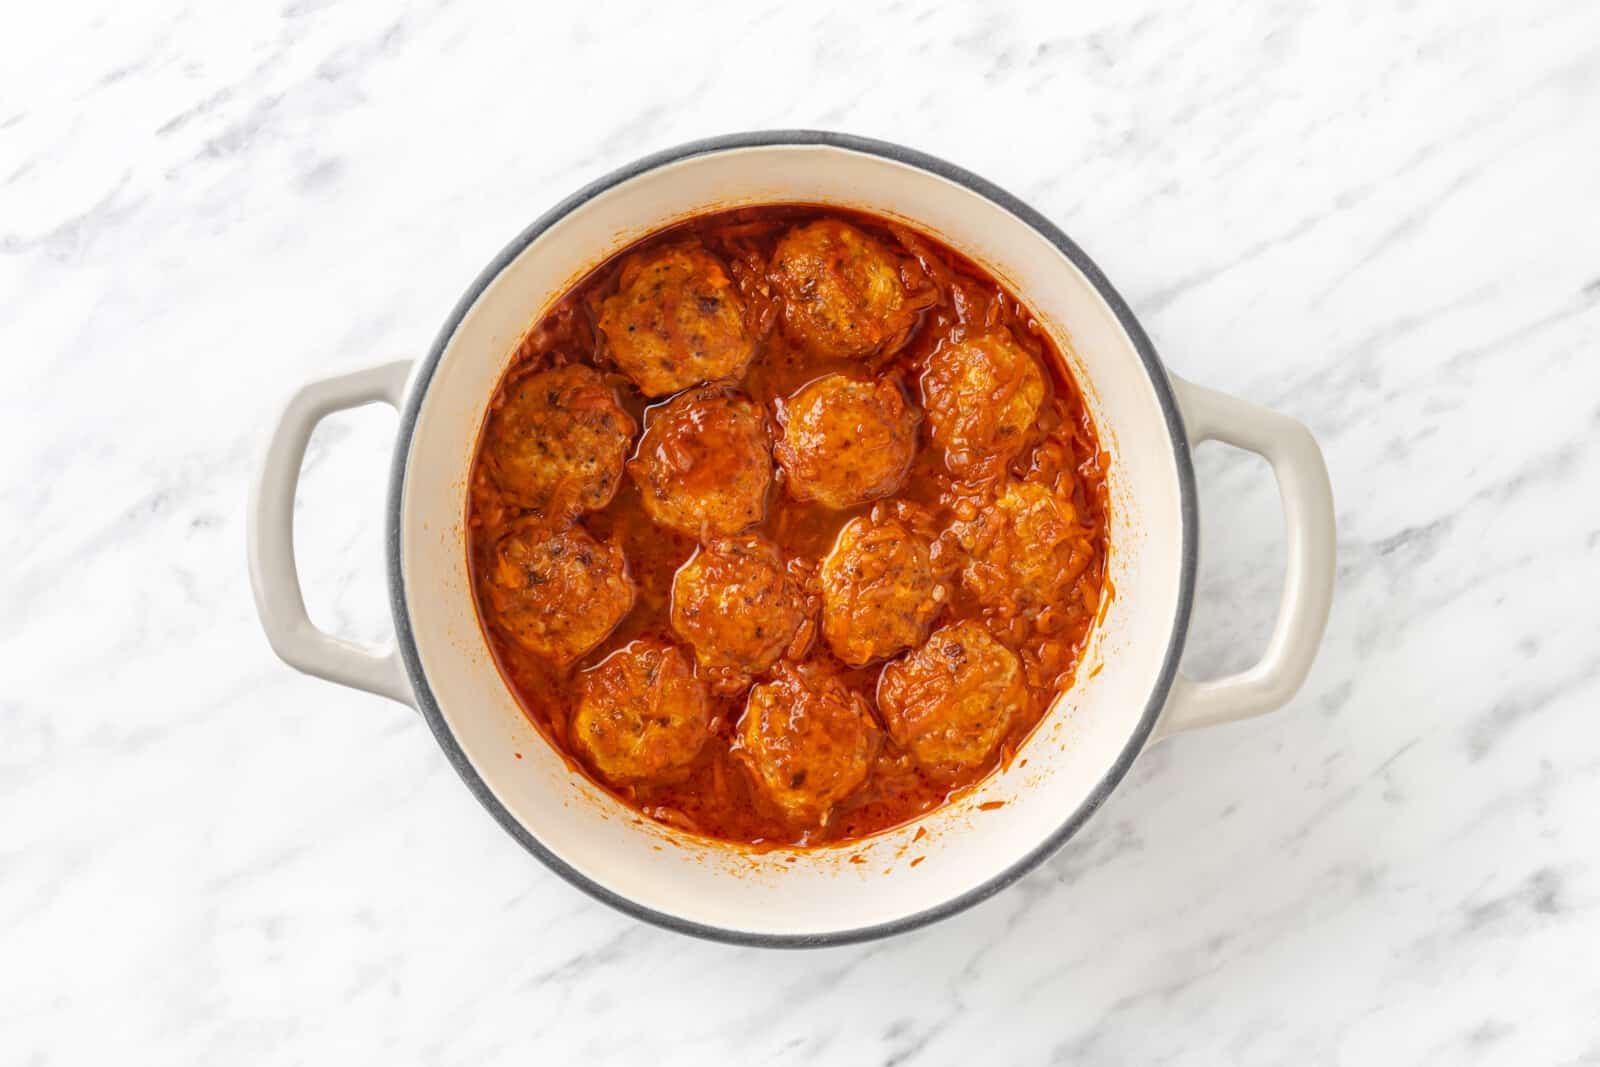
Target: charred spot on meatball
x=982, y=396
x=879, y=591
x=704, y=464
x=676, y=320
x=846, y=441
x=734, y=603
x=642, y=715
x=557, y=592
x=557, y=442
x=950, y=702
x=1026, y=551
x=841, y=290
x=808, y=740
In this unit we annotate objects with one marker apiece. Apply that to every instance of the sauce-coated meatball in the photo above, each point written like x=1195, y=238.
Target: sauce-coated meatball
x=557, y=443
x=733, y=601
x=809, y=741
x=982, y=396
x=847, y=441
x=704, y=465
x=676, y=320
x=558, y=593
x=841, y=289
x=1025, y=551
x=950, y=702
x=642, y=715
x=879, y=592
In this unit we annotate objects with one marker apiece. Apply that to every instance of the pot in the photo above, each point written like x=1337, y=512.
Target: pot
x=1128, y=693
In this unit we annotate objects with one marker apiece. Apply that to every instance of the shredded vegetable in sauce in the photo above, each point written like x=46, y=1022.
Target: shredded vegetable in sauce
x=786, y=525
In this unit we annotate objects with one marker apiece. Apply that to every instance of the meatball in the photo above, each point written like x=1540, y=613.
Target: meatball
x=676, y=320
x=557, y=443
x=847, y=441
x=1026, y=551
x=951, y=701
x=808, y=740
x=642, y=715
x=557, y=593
x=841, y=289
x=982, y=396
x=733, y=601
x=704, y=465
x=879, y=593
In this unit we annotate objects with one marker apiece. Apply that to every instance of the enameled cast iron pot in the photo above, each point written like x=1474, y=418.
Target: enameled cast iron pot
x=1128, y=692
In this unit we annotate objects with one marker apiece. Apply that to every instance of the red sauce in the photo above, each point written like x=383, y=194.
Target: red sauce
x=718, y=798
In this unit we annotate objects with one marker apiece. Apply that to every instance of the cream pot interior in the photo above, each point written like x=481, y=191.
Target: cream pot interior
x=968, y=846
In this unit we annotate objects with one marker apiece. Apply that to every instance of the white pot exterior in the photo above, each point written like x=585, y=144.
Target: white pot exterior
x=951, y=857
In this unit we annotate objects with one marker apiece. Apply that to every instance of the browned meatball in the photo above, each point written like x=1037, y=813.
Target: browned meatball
x=841, y=289
x=676, y=320
x=1026, y=550
x=809, y=741
x=557, y=443
x=704, y=465
x=642, y=715
x=558, y=593
x=951, y=701
x=847, y=441
x=982, y=396
x=733, y=601
x=879, y=593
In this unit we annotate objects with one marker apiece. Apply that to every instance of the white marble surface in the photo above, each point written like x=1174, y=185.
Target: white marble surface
x=1380, y=218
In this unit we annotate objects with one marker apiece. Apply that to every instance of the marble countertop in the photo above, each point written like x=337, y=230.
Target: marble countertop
x=1381, y=220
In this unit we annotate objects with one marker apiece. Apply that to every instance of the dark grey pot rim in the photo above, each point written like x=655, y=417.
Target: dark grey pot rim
x=406, y=640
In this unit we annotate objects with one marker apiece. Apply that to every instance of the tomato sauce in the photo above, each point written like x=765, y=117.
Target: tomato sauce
x=718, y=798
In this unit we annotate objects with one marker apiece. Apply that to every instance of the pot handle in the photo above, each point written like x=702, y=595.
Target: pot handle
x=269, y=534
x=1303, y=484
